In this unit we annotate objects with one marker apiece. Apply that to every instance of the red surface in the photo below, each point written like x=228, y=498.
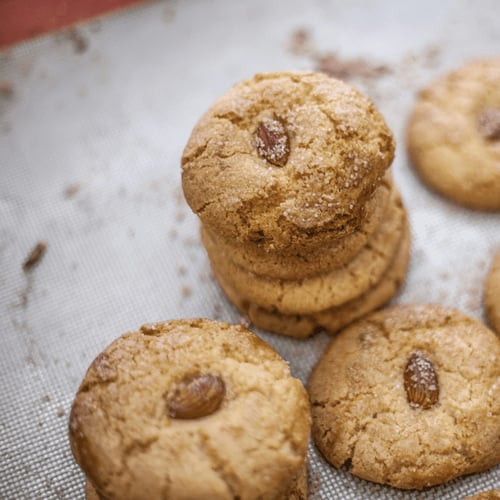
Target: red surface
x=21, y=19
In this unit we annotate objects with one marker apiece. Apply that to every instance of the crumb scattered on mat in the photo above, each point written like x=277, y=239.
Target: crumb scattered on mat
x=35, y=256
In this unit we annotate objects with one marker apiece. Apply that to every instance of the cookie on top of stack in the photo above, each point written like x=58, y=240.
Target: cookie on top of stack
x=304, y=229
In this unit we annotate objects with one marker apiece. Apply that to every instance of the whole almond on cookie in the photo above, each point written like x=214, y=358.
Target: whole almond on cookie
x=196, y=397
x=420, y=381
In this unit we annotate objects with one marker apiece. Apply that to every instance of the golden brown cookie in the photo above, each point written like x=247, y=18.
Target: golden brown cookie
x=309, y=262
x=492, y=295
x=409, y=396
x=485, y=495
x=321, y=292
x=297, y=490
x=454, y=135
x=190, y=409
x=335, y=318
x=286, y=160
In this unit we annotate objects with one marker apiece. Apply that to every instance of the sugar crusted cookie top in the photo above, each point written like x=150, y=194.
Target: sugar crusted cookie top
x=285, y=156
x=125, y=440
x=362, y=417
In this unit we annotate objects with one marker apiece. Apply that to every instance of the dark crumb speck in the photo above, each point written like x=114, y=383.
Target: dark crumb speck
x=45, y=398
x=35, y=256
x=6, y=89
x=61, y=412
x=79, y=41
x=347, y=69
x=72, y=189
x=180, y=215
x=300, y=42
x=217, y=310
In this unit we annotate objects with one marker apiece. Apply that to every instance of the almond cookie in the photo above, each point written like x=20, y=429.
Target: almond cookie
x=319, y=292
x=297, y=490
x=334, y=318
x=190, y=409
x=454, y=135
x=410, y=397
x=310, y=262
x=492, y=295
x=286, y=160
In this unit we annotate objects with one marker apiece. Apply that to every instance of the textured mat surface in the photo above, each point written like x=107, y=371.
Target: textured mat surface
x=92, y=126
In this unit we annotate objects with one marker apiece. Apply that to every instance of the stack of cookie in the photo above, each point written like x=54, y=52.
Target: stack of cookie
x=304, y=229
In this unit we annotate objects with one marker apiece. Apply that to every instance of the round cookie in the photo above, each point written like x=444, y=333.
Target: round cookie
x=453, y=135
x=297, y=490
x=286, y=160
x=492, y=295
x=409, y=396
x=190, y=409
x=311, y=262
x=335, y=318
x=319, y=292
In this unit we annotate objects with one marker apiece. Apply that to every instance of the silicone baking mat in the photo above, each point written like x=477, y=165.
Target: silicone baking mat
x=93, y=121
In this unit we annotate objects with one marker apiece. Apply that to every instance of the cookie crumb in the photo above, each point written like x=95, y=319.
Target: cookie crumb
x=346, y=69
x=35, y=256
x=80, y=42
x=61, y=412
x=6, y=89
x=180, y=215
x=300, y=42
x=186, y=292
x=45, y=398
x=217, y=310
x=72, y=189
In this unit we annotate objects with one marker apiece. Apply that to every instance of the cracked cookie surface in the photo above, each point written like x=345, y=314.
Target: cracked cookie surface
x=127, y=444
x=453, y=135
x=305, y=263
x=362, y=418
x=492, y=294
x=297, y=490
x=339, y=148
